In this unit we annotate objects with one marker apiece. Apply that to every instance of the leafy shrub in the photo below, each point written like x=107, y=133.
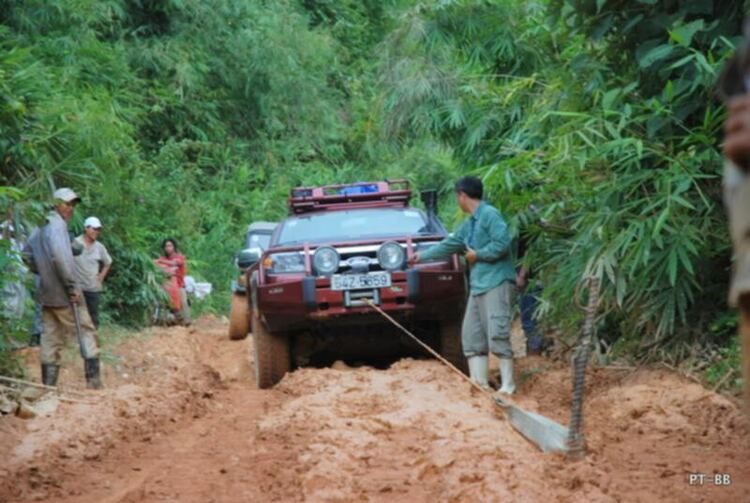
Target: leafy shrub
x=604, y=116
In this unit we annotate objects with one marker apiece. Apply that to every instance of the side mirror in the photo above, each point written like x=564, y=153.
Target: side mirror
x=248, y=257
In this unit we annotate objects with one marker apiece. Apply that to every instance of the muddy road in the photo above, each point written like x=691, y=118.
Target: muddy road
x=181, y=420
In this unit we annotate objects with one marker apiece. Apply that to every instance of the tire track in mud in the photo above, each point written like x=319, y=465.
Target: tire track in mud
x=192, y=427
x=412, y=433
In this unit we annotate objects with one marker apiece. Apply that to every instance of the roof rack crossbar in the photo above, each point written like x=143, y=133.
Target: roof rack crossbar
x=350, y=195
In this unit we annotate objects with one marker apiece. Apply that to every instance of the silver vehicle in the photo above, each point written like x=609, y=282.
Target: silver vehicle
x=257, y=238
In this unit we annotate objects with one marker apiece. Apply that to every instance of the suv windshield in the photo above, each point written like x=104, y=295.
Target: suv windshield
x=353, y=225
x=258, y=240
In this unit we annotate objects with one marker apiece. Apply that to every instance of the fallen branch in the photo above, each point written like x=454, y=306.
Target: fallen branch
x=724, y=379
x=41, y=386
x=683, y=373
x=653, y=344
x=620, y=367
x=58, y=396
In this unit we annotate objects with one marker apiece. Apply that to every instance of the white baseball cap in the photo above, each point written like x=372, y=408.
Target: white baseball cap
x=92, y=222
x=66, y=195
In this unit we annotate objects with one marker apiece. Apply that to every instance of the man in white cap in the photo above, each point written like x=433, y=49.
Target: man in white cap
x=49, y=254
x=92, y=265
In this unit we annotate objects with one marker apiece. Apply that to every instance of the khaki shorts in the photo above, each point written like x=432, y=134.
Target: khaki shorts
x=487, y=321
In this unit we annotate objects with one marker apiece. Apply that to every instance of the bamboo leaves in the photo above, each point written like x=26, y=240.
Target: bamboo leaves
x=611, y=129
x=683, y=34
x=647, y=56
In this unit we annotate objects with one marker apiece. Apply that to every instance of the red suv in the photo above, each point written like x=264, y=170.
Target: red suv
x=340, y=245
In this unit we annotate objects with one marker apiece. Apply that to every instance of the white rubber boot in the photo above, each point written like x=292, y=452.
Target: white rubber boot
x=479, y=370
x=506, y=376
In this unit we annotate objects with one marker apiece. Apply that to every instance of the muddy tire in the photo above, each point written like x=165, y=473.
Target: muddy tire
x=239, y=317
x=450, y=346
x=272, y=356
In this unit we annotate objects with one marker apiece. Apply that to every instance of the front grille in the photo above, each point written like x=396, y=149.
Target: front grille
x=349, y=262
x=370, y=253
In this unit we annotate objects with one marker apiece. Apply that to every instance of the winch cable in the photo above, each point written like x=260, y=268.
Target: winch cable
x=429, y=349
x=575, y=438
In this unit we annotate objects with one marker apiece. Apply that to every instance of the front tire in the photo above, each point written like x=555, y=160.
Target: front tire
x=272, y=355
x=450, y=346
x=239, y=317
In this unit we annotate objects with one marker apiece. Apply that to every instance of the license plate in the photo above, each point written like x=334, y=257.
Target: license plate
x=360, y=281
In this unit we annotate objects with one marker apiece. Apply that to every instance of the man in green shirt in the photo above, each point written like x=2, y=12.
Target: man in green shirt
x=484, y=240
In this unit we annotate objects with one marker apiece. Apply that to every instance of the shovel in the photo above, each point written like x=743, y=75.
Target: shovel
x=77, y=317
x=545, y=433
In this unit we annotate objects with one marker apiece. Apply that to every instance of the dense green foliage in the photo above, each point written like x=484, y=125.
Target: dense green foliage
x=191, y=118
x=602, y=114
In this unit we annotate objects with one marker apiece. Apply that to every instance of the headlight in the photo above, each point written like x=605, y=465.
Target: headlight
x=325, y=261
x=287, y=262
x=391, y=256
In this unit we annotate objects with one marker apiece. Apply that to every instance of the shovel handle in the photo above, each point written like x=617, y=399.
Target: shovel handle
x=77, y=318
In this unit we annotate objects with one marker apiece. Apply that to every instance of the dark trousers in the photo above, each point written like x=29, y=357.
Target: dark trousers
x=528, y=303
x=92, y=303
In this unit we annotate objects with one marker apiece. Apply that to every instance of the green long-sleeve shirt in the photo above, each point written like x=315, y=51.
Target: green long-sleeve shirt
x=487, y=234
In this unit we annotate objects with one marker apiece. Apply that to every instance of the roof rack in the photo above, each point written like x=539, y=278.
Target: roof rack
x=350, y=195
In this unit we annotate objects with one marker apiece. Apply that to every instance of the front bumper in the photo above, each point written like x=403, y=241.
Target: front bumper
x=416, y=293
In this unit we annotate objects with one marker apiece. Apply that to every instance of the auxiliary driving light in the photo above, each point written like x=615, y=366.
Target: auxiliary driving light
x=391, y=256
x=325, y=261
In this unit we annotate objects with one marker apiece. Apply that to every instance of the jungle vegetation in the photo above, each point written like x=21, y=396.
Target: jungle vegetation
x=595, y=125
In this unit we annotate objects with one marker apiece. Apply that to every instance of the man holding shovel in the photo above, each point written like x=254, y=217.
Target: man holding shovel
x=484, y=240
x=64, y=313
